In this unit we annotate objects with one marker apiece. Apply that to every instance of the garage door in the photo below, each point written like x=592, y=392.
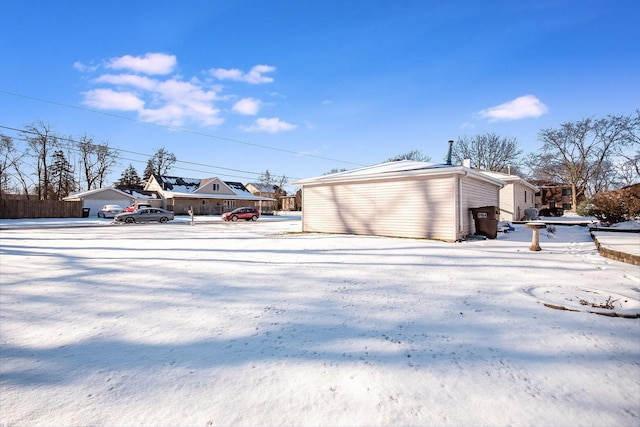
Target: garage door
x=96, y=205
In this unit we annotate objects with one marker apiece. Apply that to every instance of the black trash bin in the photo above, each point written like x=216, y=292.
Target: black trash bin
x=85, y=212
x=486, y=220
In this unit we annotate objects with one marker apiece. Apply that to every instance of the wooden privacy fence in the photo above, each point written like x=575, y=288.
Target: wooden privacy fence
x=17, y=209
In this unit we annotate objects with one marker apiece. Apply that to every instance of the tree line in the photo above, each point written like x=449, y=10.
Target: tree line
x=590, y=155
x=44, y=165
x=47, y=166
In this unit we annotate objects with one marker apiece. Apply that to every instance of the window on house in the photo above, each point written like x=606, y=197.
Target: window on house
x=566, y=191
x=566, y=206
x=525, y=196
x=216, y=187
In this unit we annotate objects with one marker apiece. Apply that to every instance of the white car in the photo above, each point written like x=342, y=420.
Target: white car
x=109, y=211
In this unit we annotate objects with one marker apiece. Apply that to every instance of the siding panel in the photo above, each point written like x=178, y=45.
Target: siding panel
x=476, y=194
x=417, y=207
x=507, y=203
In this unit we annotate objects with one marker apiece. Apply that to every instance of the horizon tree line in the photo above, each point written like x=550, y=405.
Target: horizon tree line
x=590, y=155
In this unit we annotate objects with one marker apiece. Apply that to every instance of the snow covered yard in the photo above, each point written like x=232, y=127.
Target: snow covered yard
x=256, y=324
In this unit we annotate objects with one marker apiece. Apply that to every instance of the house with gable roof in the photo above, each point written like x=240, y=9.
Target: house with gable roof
x=209, y=196
x=264, y=190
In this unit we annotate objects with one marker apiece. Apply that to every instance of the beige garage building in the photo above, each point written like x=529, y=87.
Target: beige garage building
x=402, y=199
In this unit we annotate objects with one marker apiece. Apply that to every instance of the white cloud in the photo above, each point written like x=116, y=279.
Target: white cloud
x=247, y=107
x=107, y=99
x=254, y=76
x=143, y=86
x=84, y=68
x=150, y=63
x=273, y=125
x=128, y=80
x=519, y=108
x=224, y=74
x=179, y=114
x=172, y=102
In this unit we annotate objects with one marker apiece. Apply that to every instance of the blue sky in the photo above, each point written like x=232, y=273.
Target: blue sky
x=234, y=88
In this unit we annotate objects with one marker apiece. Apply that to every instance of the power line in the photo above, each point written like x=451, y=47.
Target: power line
x=25, y=131
x=173, y=128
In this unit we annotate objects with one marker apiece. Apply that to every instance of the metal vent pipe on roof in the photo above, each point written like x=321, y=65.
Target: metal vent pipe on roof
x=450, y=150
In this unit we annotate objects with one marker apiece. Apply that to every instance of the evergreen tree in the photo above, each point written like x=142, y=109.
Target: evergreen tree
x=62, y=179
x=148, y=170
x=129, y=179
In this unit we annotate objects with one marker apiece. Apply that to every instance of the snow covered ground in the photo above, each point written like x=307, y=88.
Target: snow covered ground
x=250, y=324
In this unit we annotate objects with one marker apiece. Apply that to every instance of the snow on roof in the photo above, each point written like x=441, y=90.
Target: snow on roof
x=178, y=184
x=263, y=188
x=140, y=194
x=508, y=178
x=396, y=169
x=83, y=194
x=186, y=187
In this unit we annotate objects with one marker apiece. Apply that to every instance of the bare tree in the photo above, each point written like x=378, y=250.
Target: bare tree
x=336, y=170
x=578, y=153
x=97, y=160
x=275, y=183
x=43, y=142
x=489, y=152
x=12, y=174
x=411, y=155
x=266, y=178
x=628, y=153
x=162, y=161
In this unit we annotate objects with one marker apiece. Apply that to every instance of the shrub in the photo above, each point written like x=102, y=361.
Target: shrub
x=585, y=208
x=618, y=205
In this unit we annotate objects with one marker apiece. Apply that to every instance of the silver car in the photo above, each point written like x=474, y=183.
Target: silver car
x=109, y=211
x=145, y=215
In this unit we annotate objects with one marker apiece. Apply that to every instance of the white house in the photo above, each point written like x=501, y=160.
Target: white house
x=516, y=196
x=403, y=198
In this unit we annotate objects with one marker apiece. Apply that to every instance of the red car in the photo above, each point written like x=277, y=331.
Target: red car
x=241, y=213
x=135, y=207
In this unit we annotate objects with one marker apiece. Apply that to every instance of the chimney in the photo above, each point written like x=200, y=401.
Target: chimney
x=449, y=155
x=466, y=163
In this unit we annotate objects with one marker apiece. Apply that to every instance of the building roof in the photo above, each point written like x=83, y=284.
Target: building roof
x=510, y=179
x=263, y=188
x=398, y=169
x=180, y=187
x=83, y=194
x=177, y=184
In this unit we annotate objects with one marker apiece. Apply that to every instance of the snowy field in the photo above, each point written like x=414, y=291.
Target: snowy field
x=256, y=324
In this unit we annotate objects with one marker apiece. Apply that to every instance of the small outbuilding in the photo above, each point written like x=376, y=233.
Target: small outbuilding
x=402, y=199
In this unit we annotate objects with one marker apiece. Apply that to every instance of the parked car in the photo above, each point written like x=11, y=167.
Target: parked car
x=551, y=212
x=109, y=211
x=145, y=215
x=135, y=207
x=249, y=214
